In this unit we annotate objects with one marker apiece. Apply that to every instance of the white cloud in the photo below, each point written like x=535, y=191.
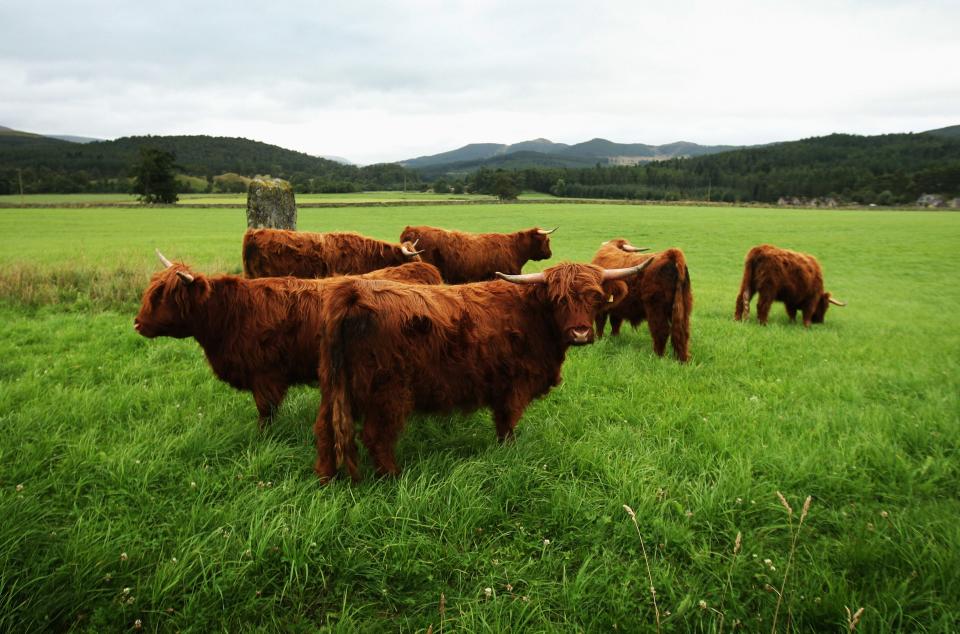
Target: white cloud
x=384, y=81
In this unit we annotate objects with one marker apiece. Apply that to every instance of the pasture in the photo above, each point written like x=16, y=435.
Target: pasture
x=136, y=489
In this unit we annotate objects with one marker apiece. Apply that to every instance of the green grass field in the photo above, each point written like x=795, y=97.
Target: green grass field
x=135, y=486
x=241, y=199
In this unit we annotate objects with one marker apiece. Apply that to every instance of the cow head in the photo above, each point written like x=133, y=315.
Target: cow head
x=409, y=251
x=169, y=304
x=576, y=294
x=624, y=245
x=538, y=243
x=821, y=310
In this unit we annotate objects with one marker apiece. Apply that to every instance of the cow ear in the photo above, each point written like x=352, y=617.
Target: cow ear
x=616, y=291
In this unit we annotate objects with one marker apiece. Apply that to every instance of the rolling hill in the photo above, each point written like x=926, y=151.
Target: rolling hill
x=535, y=153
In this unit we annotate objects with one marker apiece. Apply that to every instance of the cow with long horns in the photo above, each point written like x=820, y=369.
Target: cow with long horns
x=474, y=257
x=392, y=349
x=277, y=252
x=661, y=295
x=782, y=275
x=258, y=335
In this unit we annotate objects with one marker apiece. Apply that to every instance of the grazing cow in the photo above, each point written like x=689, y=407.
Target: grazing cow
x=392, y=349
x=476, y=257
x=258, y=335
x=275, y=253
x=793, y=278
x=660, y=295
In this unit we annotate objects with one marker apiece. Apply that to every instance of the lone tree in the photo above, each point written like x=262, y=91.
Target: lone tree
x=154, y=179
x=505, y=187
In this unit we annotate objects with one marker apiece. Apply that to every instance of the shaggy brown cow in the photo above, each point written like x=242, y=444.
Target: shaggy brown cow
x=258, y=335
x=785, y=276
x=661, y=295
x=276, y=252
x=475, y=257
x=392, y=349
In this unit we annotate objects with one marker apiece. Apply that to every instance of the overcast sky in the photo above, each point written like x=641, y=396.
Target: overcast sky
x=378, y=81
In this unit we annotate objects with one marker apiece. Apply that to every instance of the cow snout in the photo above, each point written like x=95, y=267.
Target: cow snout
x=581, y=335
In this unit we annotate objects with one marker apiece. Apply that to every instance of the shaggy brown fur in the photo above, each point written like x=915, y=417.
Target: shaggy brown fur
x=394, y=349
x=660, y=295
x=275, y=253
x=258, y=335
x=474, y=257
x=785, y=276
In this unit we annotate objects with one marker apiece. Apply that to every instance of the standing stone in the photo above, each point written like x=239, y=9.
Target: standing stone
x=270, y=204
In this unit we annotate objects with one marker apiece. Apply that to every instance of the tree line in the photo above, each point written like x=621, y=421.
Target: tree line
x=887, y=169
x=202, y=163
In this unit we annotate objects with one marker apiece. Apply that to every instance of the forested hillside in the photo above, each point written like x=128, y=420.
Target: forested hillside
x=885, y=169
x=52, y=165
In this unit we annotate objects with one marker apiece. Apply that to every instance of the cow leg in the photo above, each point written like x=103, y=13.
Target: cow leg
x=380, y=433
x=268, y=396
x=506, y=416
x=659, y=326
x=792, y=313
x=600, y=322
x=808, y=311
x=326, y=465
x=615, y=322
x=763, y=308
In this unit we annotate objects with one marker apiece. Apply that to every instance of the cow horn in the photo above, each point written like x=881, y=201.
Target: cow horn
x=524, y=278
x=618, y=274
x=183, y=275
x=836, y=302
x=167, y=263
x=409, y=253
x=545, y=232
x=629, y=248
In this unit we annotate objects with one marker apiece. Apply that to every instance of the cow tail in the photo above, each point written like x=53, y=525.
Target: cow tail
x=335, y=382
x=742, y=310
x=682, y=307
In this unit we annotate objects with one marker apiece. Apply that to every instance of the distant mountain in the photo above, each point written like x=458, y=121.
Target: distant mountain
x=72, y=138
x=513, y=160
x=535, y=151
x=951, y=132
x=337, y=159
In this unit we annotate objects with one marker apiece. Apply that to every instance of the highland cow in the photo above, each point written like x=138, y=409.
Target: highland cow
x=276, y=253
x=392, y=349
x=661, y=295
x=781, y=275
x=476, y=257
x=258, y=335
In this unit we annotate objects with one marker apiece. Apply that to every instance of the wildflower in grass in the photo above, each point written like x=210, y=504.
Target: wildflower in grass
x=193, y=485
x=138, y=624
x=488, y=592
x=688, y=513
x=509, y=587
x=108, y=577
x=739, y=500
x=884, y=514
x=19, y=488
x=123, y=556
x=702, y=604
x=546, y=542
x=174, y=560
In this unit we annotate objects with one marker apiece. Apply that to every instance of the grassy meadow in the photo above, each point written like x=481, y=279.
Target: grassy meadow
x=136, y=491
x=241, y=199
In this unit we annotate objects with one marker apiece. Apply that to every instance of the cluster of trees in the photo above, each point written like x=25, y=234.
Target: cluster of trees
x=886, y=169
x=204, y=163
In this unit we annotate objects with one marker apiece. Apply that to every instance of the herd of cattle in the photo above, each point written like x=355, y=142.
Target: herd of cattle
x=425, y=325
